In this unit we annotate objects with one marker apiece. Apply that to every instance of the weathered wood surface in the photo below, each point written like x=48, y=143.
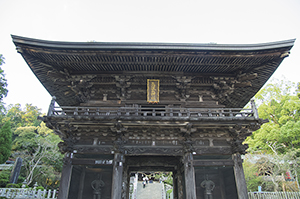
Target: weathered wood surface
x=150, y=112
x=65, y=177
x=213, y=162
x=117, y=176
x=189, y=176
x=241, y=185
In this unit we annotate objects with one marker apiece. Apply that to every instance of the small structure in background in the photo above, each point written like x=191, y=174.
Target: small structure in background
x=16, y=171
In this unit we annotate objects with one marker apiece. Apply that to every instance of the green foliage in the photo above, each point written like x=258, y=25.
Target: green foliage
x=11, y=185
x=3, y=84
x=298, y=90
x=5, y=142
x=25, y=139
x=251, y=175
x=4, y=177
x=23, y=117
x=278, y=141
x=169, y=179
x=34, y=143
x=37, y=146
x=40, y=188
x=283, y=112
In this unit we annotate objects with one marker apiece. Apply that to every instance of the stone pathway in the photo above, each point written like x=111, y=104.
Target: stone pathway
x=151, y=191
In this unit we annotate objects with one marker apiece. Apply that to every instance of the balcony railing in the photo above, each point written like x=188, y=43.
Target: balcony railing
x=151, y=111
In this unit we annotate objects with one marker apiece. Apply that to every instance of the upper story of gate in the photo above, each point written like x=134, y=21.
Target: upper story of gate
x=152, y=75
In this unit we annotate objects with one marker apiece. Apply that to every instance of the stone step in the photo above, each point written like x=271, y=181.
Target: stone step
x=151, y=191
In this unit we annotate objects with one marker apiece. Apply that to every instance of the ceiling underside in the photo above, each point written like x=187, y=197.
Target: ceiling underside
x=104, y=59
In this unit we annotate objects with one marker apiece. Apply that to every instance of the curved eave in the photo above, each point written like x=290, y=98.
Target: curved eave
x=205, y=59
x=151, y=46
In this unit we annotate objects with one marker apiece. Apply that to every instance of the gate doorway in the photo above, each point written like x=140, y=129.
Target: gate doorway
x=149, y=173
x=151, y=185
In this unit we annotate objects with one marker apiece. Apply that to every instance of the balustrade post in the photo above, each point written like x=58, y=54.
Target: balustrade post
x=51, y=107
x=230, y=113
x=171, y=112
x=76, y=111
x=254, y=109
x=153, y=112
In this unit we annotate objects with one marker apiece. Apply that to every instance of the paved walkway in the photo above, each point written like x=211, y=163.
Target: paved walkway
x=151, y=191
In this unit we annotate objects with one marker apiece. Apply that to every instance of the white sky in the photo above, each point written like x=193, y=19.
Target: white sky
x=189, y=21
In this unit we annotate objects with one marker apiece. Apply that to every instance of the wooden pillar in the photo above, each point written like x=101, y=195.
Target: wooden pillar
x=222, y=185
x=65, y=178
x=240, y=181
x=189, y=175
x=180, y=183
x=82, y=177
x=117, y=176
x=126, y=182
x=175, y=185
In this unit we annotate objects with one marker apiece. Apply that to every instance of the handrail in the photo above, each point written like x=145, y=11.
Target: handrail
x=150, y=112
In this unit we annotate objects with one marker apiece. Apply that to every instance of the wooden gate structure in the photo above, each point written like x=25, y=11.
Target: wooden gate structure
x=126, y=107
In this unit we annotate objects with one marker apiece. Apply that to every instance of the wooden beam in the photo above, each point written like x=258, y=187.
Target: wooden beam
x=99, y=162
x=212, y=162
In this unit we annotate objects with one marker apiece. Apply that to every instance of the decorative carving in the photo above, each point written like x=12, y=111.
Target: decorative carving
x=122, y=84
x=183, y=84
x=239, y=134
x=223, y=87
x=188, y=141
x=66, y=133
x=118, y=128
x=80, y=85
x=238, y=146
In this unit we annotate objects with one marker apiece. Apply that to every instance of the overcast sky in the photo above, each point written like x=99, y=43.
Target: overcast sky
x=190, y=21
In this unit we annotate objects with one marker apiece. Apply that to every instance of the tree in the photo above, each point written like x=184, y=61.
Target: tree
x=42, y=161
x=5, y=142
x=298, y=90
x=278, y=141
x=3, y=84
x=251, y=174
x=282, y=109
x=23, y=117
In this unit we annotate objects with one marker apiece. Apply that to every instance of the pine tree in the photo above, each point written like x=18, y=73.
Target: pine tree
x=5, y=142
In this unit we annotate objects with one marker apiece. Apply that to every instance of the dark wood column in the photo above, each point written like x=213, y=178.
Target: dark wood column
x=126, y=182
x=239, y=176
x=222, y=185
x=189, y=176
x=180, y=182
x=65, y=178
x=117, y=176
x=175, y=185
x=80, y=191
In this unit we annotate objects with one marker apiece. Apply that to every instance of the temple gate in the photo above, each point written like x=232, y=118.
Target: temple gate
x=126, y=107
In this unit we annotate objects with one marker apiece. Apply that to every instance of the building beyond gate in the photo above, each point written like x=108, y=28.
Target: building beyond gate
x=127, y=107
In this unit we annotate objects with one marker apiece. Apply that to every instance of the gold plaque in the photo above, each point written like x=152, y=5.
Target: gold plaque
x=152, y=90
